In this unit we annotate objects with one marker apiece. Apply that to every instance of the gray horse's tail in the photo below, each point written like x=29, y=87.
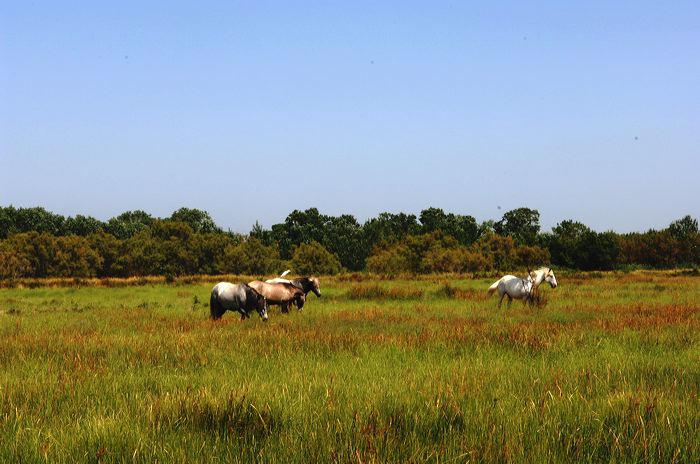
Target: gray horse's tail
x=493, y=287
x=215, y=308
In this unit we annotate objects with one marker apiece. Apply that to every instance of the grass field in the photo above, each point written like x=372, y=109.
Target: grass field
x=402, y=370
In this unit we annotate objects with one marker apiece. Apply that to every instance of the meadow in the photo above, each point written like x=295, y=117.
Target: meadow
x=422, y=369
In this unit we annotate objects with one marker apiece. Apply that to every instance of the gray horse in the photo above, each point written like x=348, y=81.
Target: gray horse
x=236, y=297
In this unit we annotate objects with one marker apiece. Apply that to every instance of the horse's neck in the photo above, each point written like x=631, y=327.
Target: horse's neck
x=539, y=278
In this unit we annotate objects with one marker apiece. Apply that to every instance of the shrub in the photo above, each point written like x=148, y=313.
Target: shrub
x=391, y=261
x=73, y=257
x=531, y=256
x=313, y=258
x=501, y=251
x=251, y=257
x=458, y=259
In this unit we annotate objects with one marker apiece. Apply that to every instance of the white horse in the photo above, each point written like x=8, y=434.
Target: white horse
x=522, y=288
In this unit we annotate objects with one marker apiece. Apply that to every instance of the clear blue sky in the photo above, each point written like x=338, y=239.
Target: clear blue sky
x=252, y=109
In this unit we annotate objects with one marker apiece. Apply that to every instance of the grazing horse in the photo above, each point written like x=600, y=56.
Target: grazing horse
x=282, y=294
x=522, y=288
x=236, y=297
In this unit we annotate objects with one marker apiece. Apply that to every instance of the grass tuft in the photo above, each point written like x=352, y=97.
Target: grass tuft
x=378, y=292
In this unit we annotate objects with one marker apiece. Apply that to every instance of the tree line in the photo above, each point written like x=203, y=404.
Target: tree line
x=37, y=243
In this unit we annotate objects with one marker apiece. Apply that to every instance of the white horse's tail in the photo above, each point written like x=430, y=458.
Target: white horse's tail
x=493, y=287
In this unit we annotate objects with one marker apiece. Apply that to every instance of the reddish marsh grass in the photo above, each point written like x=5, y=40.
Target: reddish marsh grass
x=606, y=371
x=378, y=292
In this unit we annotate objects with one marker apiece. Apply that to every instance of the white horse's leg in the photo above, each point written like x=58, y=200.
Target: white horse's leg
x=510, y=300
x=500, y=298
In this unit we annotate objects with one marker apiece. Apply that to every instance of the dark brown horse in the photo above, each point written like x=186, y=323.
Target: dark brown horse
x=308, y=284
x=280, y=293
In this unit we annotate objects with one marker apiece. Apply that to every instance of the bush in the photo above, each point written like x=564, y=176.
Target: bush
x=251, y=257
x=428, y=253
x=73, y=257
x=313, y=258
x=391, y=261
x=531, y=256
x=454, y=260
x=13, y=264
x=500, y=250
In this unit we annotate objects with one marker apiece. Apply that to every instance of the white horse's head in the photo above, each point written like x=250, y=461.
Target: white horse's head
x=544, y=274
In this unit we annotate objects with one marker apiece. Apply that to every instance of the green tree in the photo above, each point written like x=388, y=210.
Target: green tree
x=389, y=228
x=599, y=251
x=684, y=229
x=262, y=234
x=463, y=228
x=7, y=222
x=522, y=224
x=128, y=224
x=565, y=244
x=343, y=237
x=299, y=227
x=82, y=225
x=198, y=220
x=432, y=220
x=685, y=232
x=18, y=220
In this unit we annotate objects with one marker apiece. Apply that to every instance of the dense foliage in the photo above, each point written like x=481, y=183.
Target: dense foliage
x=37, y=243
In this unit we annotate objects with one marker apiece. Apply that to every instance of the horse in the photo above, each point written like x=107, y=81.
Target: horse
x=543, y=274
x=226, y=296
x=522, y=288
x=306, y=284
x=282, y=294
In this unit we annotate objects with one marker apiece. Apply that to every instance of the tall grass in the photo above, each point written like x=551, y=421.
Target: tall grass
x=411, y=370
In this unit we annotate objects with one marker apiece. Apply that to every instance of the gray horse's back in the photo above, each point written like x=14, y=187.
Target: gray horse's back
x=226, y=296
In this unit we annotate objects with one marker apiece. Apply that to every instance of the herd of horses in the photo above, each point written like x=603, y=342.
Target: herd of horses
x=258, y=295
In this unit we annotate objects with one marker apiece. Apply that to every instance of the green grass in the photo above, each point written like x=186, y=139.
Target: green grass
x=424, y=370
